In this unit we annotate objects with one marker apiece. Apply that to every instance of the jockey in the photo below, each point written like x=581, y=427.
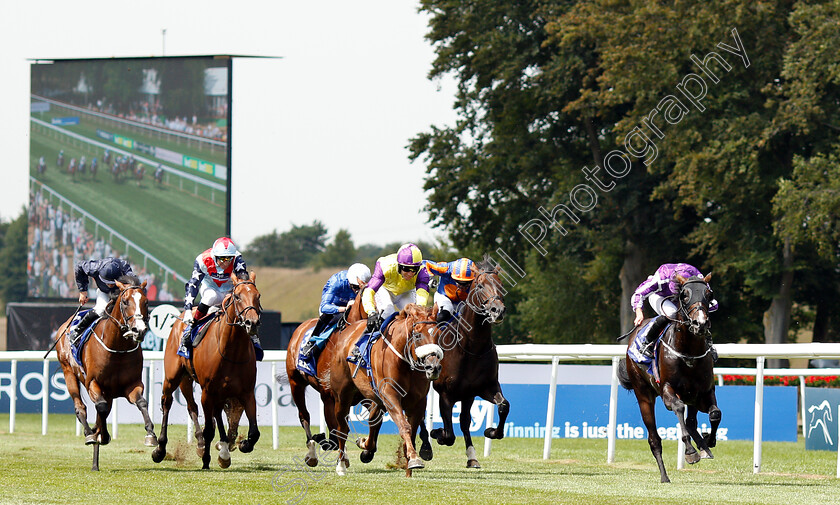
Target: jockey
x=660, y=290
x=104, y=273
x=396, y=282
x=338, y=295
x=211, y=279
x=455, y=280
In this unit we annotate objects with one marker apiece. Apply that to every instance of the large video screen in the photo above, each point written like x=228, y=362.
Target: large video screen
x=128, y=158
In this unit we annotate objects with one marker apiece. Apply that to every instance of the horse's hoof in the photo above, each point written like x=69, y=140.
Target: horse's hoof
x=473, y=464
x=319, y=437
x=326, y=444
x=435, y=433
x=341, y=468
x=104, y=440
x=150, y=441
x=704, y=454
x=425, y=451
x=366, y=456
x=310, y=461
x=414, y=464
x=246, y=446
x=224, y=463
x=158, y=455
x=692, y=458
x=711, y=442
x=494, y=433
x=90, y=439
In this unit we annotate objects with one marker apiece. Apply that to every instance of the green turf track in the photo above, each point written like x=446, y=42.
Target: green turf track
x=56, y=469
x=88, y=125
x=172, y=224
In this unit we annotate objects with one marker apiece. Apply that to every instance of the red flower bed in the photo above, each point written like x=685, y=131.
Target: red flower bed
x=783, y=380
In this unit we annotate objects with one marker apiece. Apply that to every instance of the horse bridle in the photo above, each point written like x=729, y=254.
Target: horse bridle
x=685, y=314
x=125, y=327
x=483, y=303
x=413, y=363
x=239, y=319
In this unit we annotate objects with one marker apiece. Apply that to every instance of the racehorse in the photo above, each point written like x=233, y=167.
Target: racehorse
x=686, y=381
x=159, y=176
x=59, y=163
x=299, y=380
x=470, y=364
x=138, y=173
x=93, y=167
x=404, y=360
x=71, y=168
x=112, y=362
x=224, y=365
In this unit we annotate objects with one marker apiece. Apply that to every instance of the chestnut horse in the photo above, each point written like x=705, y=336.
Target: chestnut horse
x=404, y=361
x=299, y=380
x=470, y=364
x=112, y=362
x=685, y=366
x=224, y=365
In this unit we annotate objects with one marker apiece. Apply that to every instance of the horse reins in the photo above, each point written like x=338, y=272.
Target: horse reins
x=411, y=362
x=686, y=313
x=239, y=320
x=124, y=326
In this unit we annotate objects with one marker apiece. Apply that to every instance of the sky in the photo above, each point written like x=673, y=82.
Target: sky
x=319, y=133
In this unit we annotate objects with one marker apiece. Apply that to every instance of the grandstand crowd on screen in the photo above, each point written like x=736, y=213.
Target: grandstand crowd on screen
x=57, y=242
x=152, y=114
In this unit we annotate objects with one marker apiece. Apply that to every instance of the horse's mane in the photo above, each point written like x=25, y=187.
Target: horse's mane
x=130, y=280
x=416, y=311
x=486, y=264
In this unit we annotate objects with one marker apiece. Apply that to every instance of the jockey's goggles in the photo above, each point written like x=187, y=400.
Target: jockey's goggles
x=354, y=287
x=463, y=284
x=409, y=268
x=223, y=259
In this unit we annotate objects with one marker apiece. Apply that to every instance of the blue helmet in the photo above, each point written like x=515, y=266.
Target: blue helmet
x=110, y=272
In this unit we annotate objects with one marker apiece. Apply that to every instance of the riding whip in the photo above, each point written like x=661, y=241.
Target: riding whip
x=63, y=332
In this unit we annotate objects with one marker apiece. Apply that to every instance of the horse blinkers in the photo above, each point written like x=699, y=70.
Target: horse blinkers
x=492, y=306
x=694, y=305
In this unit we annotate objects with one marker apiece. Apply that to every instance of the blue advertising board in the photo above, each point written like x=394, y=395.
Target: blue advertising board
x=65, y=121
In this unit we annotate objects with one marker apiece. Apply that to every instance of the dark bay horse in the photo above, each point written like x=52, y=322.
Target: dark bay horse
x=298, y=381
x=404, y=361
x=686, y=382
x=470, y=364
x=112, y=363
x=224, y=365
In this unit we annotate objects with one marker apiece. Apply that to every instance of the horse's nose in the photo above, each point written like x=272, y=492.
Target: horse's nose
x=433, y=372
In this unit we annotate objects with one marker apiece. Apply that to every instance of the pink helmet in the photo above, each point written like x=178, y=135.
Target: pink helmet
x=223, y=247
x=409, y=255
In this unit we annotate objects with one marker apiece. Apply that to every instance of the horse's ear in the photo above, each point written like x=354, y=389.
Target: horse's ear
x=434, y=311
x=120, y=285
x=707, y=278
x=253, y=276
x=143, y=286
x=681, y=279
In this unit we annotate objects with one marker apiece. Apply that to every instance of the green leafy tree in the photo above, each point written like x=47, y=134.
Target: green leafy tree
x=182, y=91
x=13, y=254
x=295, y=248
x=339, y=253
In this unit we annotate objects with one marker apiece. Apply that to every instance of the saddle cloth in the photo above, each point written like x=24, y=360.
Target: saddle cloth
x=636, y=354
x=309, y=365
x=77, y=346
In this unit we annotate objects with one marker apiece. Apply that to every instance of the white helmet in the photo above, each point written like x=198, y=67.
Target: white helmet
x=223, y=247
x=358, y=271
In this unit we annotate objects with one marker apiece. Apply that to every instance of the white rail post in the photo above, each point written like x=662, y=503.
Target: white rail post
x=549, y=415
x=45, y=398
x=115, y=411
x=759, y=411
x=802, y=401
x=13, y=396
x=275, y=429
x=489, y=424
x=680, y=448
x=151, y=390
x=838, y=442
x=613, y=416
x=323, y=416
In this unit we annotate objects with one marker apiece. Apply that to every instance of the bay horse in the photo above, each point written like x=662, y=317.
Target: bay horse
x=686, y=381
x=112, y=362
x=470, y=364
x=404, y=361
x=224, y=365
x=298, y=381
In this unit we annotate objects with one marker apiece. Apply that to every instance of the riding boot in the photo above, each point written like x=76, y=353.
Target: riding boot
x=652, y=335
x=80, y=328
x=443, y=316
x=307, y=349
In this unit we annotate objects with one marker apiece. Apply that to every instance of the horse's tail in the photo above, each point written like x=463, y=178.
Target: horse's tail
x=623, y=376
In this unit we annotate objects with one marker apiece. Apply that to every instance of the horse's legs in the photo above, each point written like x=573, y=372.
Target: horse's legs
x=103, y=408
x=165, y=405
x=710, y=406
x=72, y=384
x=368, y=443
x=691, y=425
x=672, y=402
x=135, y=396
x=646, y=407
x=186, y=387
x=465, y=421
x=342, y=406
x=495, y=396
x=393, y=401
x=250, y=405
x=445, y=435
x=234, y=414
x=209, y=418
x=425, y=451
x=222, y=445
x=415, y=419
x=298, y=387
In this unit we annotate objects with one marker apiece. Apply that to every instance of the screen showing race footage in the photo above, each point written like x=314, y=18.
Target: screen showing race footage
x=128, y=158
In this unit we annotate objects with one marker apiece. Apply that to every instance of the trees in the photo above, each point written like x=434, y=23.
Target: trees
x=679, y=120
x=292, y=249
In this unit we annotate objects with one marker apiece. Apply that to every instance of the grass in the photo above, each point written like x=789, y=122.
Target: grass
x=294, y=292
x=172, y=225
x=56, y=469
